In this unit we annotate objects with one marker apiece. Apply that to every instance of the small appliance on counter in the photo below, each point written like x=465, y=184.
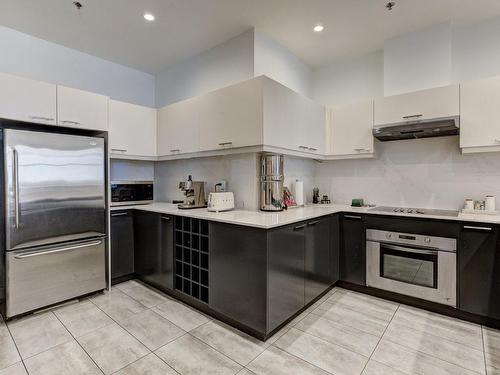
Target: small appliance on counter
x=316, y=195
x=220, y=201
x=194, y=192
x=127, y=192
x=480, y=207
x=271, y=182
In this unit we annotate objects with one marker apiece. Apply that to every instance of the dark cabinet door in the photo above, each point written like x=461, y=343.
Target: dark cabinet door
x=335, y=249
x=353, y=250
x=479, y=269
x=318, y=260
x=285, y=273
x=122, y=244
x=154, y=248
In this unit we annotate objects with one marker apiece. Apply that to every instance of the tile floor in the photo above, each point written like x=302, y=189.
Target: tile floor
x=135, y=330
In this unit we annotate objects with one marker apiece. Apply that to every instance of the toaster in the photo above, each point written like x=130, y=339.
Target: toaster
x=220, y=201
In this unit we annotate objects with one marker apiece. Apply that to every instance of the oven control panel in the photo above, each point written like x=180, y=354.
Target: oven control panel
x=423, y=241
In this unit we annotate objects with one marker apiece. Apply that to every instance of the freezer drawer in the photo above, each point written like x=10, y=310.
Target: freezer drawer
x=41, y=277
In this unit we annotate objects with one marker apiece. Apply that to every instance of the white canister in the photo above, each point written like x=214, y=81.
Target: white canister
x=299, y=192
x=469, y=204
x=490, y=203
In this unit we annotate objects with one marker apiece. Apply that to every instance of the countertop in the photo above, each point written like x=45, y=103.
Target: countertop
x=268, y=220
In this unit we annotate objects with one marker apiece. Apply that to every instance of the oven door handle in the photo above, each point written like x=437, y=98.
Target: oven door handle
x=410, y=250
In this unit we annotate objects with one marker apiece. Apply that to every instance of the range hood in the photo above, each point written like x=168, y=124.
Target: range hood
x=425, y=128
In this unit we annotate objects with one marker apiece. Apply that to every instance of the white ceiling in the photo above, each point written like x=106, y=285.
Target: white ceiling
x=116, y=31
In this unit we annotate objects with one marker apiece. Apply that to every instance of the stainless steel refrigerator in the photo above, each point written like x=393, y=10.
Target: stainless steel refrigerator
x=55, y=218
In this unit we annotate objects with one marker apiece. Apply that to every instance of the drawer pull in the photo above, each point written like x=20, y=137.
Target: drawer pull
x=175, y=150
x=70, y=122
x=312, y=149
x=42, y=118
x=303, y=147
x=353, y=217
x=298, y=227
x=412, y=116
x=313, y=223
x=165, y=218
x=225, y=143
x=57, y=250
x=119, y=214
x=119, y=149
x=487, y=229
x=362, y=149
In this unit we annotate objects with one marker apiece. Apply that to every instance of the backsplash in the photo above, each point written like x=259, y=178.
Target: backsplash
x=240, y=171
x=427, y=173
x=131, y=170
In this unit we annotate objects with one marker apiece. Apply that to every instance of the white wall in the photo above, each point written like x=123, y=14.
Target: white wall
x=428, y=173
x=418, y=60
x=221, y=66
x=277, y=62
x=350, y=80
x=240, y=171
x=30, y=57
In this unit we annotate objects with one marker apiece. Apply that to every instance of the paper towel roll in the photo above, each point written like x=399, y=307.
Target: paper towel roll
x=298, y=192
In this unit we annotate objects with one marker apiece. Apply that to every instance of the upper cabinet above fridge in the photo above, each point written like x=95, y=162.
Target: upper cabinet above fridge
x=435, y=103
x=27, y=100
x=81, y=109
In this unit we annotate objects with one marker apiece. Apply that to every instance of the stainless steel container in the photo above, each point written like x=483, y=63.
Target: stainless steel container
x=271, y=182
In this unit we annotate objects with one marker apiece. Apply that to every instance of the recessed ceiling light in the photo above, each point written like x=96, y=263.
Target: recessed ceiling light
x=318, y=28
x=149, y=17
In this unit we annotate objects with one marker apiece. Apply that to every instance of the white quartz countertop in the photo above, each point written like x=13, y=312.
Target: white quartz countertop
x=267, y=220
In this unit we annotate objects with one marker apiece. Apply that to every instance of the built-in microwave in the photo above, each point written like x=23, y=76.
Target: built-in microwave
x=125, y=192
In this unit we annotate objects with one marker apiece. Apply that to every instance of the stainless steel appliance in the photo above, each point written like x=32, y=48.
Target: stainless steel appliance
x=55, y=214
x=194, y=192
x=419, y=211
x=416, y=127
x=271, y=182
x=415, y=265
x=124, y=192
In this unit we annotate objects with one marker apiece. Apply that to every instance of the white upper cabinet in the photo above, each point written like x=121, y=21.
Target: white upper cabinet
x=292, y=121
x=27, y=100
x=232, y=116
x=132, y=129
x=81, y=109
x=179, y=128
x=424, y=104
x=480, y=115
x=351, y=130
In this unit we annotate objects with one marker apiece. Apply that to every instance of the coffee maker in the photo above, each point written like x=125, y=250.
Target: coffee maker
x=194, y=192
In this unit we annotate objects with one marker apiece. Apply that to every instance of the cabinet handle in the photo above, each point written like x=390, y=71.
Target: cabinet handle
x=303, y=147
x=175, y=150
x=363, y=149
x=225, y=143
x=313, y=223
x=312, y=149
x=119, y=149
x=165, y=218
x=119, y=214
x=412, y=116
x=487, y=229
x=41, y=118
x=353, y=217
x=300, y=227
x=70, y=122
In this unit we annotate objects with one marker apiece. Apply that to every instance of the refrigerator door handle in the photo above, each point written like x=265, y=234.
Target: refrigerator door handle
x=16, y=186
x=57, y=250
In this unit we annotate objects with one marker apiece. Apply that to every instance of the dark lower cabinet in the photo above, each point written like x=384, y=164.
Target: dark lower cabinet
x=122, y=244
x=153, y=242
x=479, y=269
x=335, y=239
x=285, y=273
x=238, y=273
x=353, y=249
x=318, y=258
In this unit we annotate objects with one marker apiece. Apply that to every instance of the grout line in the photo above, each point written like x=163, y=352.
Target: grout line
x=80, y=345
x=218, y=351
x=17, y=348
x=380, y=339
x=484, y=351
x=161, y=359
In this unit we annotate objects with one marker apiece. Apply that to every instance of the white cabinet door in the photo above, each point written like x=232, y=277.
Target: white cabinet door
x=132, y=129
x=81, y=109
x=480, y=113
x=178, y=128
x=351, y=129
x=432, y=103
x=291, y=120
x=27, y=100
x=232, y=116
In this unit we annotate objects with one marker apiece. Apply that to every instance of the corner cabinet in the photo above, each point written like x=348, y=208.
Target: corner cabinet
x=479, y=115
x=479, y=269
x=418, y=105
x=132, y=130
x=27, y=100
x=81, y=109
x=351, y=131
